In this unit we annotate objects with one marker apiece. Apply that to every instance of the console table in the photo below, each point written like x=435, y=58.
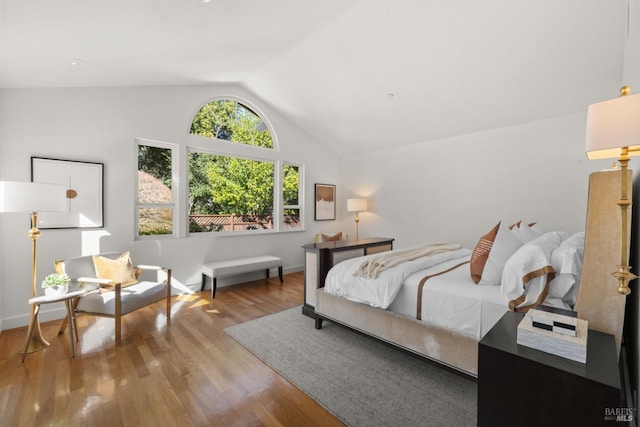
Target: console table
x=518, y=385
x=320, y=257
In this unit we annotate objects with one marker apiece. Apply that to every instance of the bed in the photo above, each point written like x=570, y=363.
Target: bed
x=446, y=319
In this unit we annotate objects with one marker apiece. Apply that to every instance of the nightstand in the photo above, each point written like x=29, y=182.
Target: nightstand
x=518, y=385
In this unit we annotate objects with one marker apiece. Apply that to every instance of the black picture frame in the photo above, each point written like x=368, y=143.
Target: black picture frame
x=85, y=192
x=325, y=202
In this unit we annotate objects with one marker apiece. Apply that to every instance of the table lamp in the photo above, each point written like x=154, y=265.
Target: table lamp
x=613, y=130
x=357, y=205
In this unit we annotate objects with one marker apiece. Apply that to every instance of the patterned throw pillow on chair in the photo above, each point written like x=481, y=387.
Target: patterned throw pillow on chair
x=119, y=270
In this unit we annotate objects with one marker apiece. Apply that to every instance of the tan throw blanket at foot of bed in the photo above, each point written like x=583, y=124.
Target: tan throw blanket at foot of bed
x=377, y=263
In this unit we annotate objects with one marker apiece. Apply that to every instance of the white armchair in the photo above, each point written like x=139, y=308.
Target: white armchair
x=118, y=294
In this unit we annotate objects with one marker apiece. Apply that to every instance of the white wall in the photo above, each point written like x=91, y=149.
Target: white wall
x=455, y=190
x=2, y=155
x=99, y=125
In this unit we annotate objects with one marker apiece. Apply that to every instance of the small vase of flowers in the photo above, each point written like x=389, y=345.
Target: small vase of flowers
x=56, y=285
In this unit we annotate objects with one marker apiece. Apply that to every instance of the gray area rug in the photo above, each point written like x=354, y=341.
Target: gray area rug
x=359, y=380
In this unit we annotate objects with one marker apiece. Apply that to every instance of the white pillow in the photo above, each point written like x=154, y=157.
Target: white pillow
x=567, y=261
x=504, y=245
x=526, y=233
x=528, y=273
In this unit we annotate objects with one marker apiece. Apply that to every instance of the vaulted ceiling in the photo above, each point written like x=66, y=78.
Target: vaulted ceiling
x=356, y=74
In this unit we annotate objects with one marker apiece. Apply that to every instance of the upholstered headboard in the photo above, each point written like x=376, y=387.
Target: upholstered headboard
x=598, y=300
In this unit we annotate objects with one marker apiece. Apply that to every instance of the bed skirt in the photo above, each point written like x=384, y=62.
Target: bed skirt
x=446, y=347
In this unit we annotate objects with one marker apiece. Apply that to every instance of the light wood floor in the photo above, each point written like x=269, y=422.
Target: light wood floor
x=190, y=373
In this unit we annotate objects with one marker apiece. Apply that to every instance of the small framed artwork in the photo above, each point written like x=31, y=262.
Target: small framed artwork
x=84, y=182
x=325, y=202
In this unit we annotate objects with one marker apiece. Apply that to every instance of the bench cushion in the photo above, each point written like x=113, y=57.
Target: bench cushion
x=240, y=265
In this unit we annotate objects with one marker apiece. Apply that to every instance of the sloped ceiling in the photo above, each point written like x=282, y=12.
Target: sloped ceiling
x=356, y=75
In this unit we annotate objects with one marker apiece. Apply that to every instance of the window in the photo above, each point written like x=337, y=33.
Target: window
x=230, y=120
x=291, y=196
x=228, y=193
x=234, y=180
x=155, y=201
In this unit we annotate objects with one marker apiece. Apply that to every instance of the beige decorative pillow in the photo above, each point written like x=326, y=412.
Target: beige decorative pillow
x=481, y=252
x=119, y=270
x=335, y=238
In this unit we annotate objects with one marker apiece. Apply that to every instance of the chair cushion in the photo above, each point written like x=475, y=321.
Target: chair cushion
x=133, y=297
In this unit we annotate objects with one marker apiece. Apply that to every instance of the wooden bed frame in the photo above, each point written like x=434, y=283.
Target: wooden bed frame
x=598, y=300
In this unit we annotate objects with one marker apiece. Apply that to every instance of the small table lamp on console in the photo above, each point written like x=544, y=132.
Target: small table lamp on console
x=613, y=130
x=32, y=197
x=357, y=205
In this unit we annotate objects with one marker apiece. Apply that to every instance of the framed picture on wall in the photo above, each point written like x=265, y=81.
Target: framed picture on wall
x=84, y=182
x=325, y=208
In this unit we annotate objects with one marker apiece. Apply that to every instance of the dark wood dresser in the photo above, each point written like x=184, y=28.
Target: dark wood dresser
x=320, y=257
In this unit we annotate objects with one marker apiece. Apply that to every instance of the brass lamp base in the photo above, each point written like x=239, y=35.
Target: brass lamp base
x=35, y=341
x=624, y=276
x=357, y=220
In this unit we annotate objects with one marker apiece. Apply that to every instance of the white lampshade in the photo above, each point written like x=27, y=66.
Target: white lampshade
x=611, y=125
x=32, y=197
x=356, y=205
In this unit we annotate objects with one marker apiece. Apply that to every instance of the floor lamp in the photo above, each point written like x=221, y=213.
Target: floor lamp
x=32, y=197
x=356, y=205
x=613, y=131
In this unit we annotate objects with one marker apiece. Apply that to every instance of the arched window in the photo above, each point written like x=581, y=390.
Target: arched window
x=230, y=120
x=228, y=188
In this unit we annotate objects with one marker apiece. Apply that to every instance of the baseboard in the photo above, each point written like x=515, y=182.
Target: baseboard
x=22, y=320
x=52, y=312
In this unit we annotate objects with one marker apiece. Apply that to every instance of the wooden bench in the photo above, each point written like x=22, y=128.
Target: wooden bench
x=237, y=266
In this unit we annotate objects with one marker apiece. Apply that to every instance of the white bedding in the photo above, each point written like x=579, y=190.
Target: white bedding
x=452, y=300
x=343, y=281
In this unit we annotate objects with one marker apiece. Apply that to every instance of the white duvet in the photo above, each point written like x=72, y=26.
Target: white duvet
x=343, y=280
x=451, y=301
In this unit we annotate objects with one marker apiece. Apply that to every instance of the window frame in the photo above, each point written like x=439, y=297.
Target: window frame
x=250, y=107
x=276, y=209
x=300, y=205
x=180, y=177
x=174, y=205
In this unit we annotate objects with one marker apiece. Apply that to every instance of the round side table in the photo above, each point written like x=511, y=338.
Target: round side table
x=68, y=300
